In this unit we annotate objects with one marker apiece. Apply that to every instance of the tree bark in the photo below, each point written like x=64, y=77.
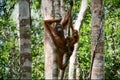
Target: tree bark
x=78, y=24
x=47, y=13
x=24, y=39
x=97, y=42
x=62, y=8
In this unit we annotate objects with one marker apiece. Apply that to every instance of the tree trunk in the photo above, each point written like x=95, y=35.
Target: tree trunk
x=97, y=42
x=24, y=39
x=50, y=9
x=78, y=24
x=47, y=12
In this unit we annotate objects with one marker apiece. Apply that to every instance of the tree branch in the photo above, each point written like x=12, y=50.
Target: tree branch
x=78, y=23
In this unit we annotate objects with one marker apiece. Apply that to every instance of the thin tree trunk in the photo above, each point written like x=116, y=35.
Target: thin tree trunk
x=78, y=24
x=24, y=39
x=97, y=42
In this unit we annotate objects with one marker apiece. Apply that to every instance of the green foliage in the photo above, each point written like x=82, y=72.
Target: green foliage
x=9, y=59
x=112, y=42
x=7, y=38
x=112, y=27
x=37, y=50
x=36, y=4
